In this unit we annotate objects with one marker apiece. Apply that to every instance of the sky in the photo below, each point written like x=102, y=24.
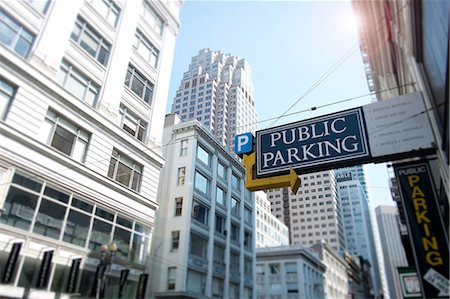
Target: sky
x=302, y=53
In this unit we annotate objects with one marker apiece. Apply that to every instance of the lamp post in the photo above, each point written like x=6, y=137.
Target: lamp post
x=107, y=255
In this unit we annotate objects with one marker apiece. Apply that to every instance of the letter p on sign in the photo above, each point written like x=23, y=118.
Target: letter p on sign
x=243, y=144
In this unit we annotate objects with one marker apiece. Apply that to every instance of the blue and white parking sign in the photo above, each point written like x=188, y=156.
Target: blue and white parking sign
x=243, y=143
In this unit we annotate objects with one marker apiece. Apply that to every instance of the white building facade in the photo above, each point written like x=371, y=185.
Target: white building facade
x=203, y=244
x=336, y=280
x=289, y=272
x=218, y=91
x=83, y=86
x=394, y=253
x=270, y=231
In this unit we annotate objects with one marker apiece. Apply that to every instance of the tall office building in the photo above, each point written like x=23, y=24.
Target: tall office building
x=218, y=91
x=83, y=86
x=312, y=214
x=394, y=253
x=203, y=243
x=357, y=223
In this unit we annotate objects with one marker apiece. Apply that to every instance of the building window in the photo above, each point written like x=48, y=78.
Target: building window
x=199, y=213
x=92, y=42
x=203, y=155
x=146, y=49
x=234, y=234
x=78, y=84
x=220, y=196
x=201, y=182
x=235, y=206
x=108, y=10
x=183, y=147
x=178, y=206
x=65, y=136
x=220, y=224
x=14, y=36
x=175, y=239
x=152, y=18
x=235, y=182
x=219, y=255
x=222, y=170
x=196, y=282
x=139, y=85
x=274, y=269
x=181, y=176
x=217, y=287
x=291, y=268
x=198, y=246
x=247, y=215
x=247, y=239
x=125, y=171
x=171, y=278
x=248, y=266
x=234, y=262
x=7, y=92
x=131, y=123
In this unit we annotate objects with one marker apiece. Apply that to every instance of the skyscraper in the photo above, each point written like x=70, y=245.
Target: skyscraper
x=394, y=253
x=83, y=86
x=357, y=224
x=218, y=91
x=312, y=214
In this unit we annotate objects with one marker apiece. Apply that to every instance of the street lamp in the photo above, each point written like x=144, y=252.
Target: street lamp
x=108, y=253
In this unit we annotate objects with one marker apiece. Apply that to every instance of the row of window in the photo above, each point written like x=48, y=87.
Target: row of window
x=38, y=207
x=68, y=138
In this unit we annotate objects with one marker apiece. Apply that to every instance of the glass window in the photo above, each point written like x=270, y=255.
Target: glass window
x=219, y=255
x=77, y=228
x=247, y=215
x=234, y=232
x=152, y=18
x=248, y=239
x=78, y=84
x=203, y=155
x=198, y=246
x=146, y=49
x=217, y=287
x=49, y=219
x=220, y=196
x=178, y=206
x=15, y=36
x=248, y=266
x=101, y=234
x=201, y=182
x=235, y=182
x=139, y=85
x=175, y=239
x=108, y=10
x=138, y=248
x=235, y=206
x=19, y=208
x=234, y=262
x=183, y=147
x=131, y=123
x=91, y=41
x=200, y=213
x=274, y=268
x=220, y=224
x=65, y=136
x=122, y=238
x=196, y=282
x=181, y=176
x=7, y=92
x=124, y=170
x=171, y=278
x=291, y=268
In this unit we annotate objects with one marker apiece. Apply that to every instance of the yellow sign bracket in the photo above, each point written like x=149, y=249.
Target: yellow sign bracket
x=253, y=184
